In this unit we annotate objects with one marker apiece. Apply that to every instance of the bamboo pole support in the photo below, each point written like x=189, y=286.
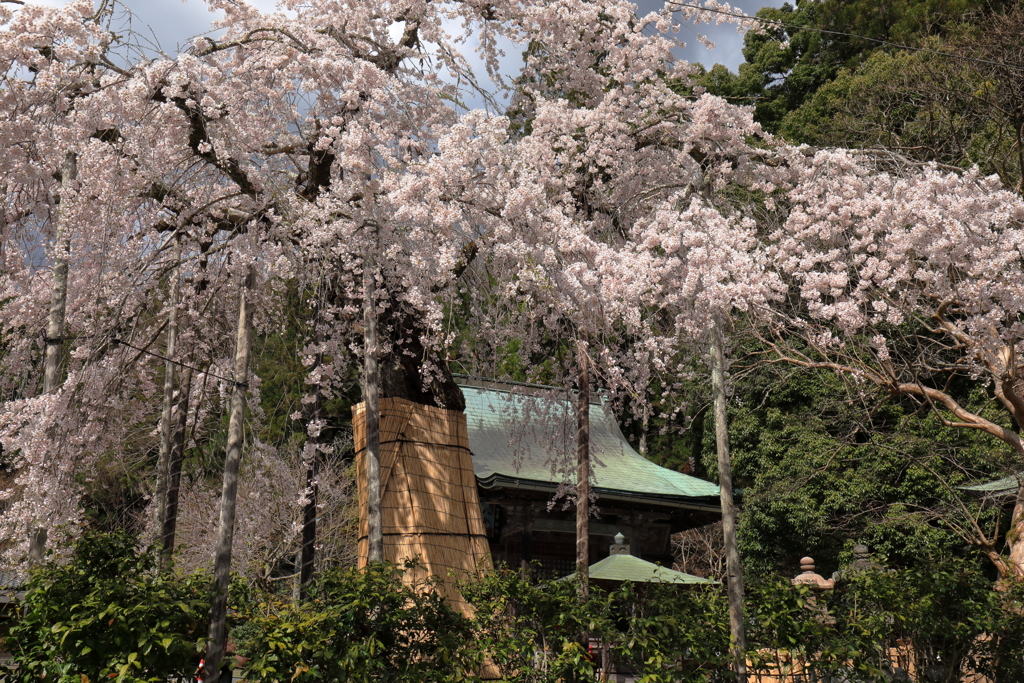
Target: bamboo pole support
x=56, y=322
x=375, y=537
x=166, y=417
x=583, y=472
x=229, y=493
x=734, y=570
x=170, y=521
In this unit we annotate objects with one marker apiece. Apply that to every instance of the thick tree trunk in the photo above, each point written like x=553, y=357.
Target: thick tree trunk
x=229, y=492
x=166, y=426
x=583, y=473
x=732, y=555
x=371, y=397
x=55, y=325
x=170, y=520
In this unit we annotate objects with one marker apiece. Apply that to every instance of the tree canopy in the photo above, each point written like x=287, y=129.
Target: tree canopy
x=311, y=159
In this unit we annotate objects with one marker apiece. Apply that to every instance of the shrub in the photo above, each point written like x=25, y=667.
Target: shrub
x=108, y=614
x=357, y=626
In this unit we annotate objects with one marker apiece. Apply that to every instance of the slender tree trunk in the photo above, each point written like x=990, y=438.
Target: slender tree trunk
x=55, y=328
x=371, y=390
x=307, y=554
x=583, y=473
x=732, y=565
x=166, y=419
x=229, y=492
x=55, y=325
x=732, y=556
x=170, y=521
x=643, y=429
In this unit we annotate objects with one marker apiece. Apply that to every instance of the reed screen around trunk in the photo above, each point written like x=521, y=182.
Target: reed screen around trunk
x=429, y=497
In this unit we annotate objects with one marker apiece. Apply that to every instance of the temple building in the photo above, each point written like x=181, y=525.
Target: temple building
x=523, y=443
x=463, y=491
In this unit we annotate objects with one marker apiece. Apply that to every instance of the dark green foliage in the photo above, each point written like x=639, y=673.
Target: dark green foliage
x=824, y=464
x=107, y=614
x=785, y=66
x=938, y=614
x=823, y=467
x=356, y=626
x=929, y=106
x=940, y=620
x=675, y=633
x=533, y=632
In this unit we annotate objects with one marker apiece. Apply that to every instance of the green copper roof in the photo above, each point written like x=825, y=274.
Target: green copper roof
x=1000, y=487
x=625, y=567
x=525, y=437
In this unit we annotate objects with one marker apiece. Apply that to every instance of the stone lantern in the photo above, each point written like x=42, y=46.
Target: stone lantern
x=810, y=578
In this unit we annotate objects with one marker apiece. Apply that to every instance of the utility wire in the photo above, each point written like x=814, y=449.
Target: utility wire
x=773, y=23
x=115, y=341
x=122, y=342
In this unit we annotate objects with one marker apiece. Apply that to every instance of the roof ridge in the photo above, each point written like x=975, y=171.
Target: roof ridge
x=479, y=382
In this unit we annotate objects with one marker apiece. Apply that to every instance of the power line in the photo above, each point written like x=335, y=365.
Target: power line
x=115, y=341
x=771, y=22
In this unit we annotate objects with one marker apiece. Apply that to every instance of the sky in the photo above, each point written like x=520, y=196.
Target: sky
x=169, y=24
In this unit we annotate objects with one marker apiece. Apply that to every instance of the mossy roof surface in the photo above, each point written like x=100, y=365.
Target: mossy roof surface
x=523, y=435
x=1004, y=486
x=623, y=567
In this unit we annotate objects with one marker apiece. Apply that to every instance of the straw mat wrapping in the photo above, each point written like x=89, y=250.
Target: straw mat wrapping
x=429, y=498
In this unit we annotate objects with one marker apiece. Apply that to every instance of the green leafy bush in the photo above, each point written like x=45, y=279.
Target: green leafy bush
x=940, y=621
x=674, y=633
x=945, y=619
x=108, y=615
x=357, y=626
x=535, y=632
